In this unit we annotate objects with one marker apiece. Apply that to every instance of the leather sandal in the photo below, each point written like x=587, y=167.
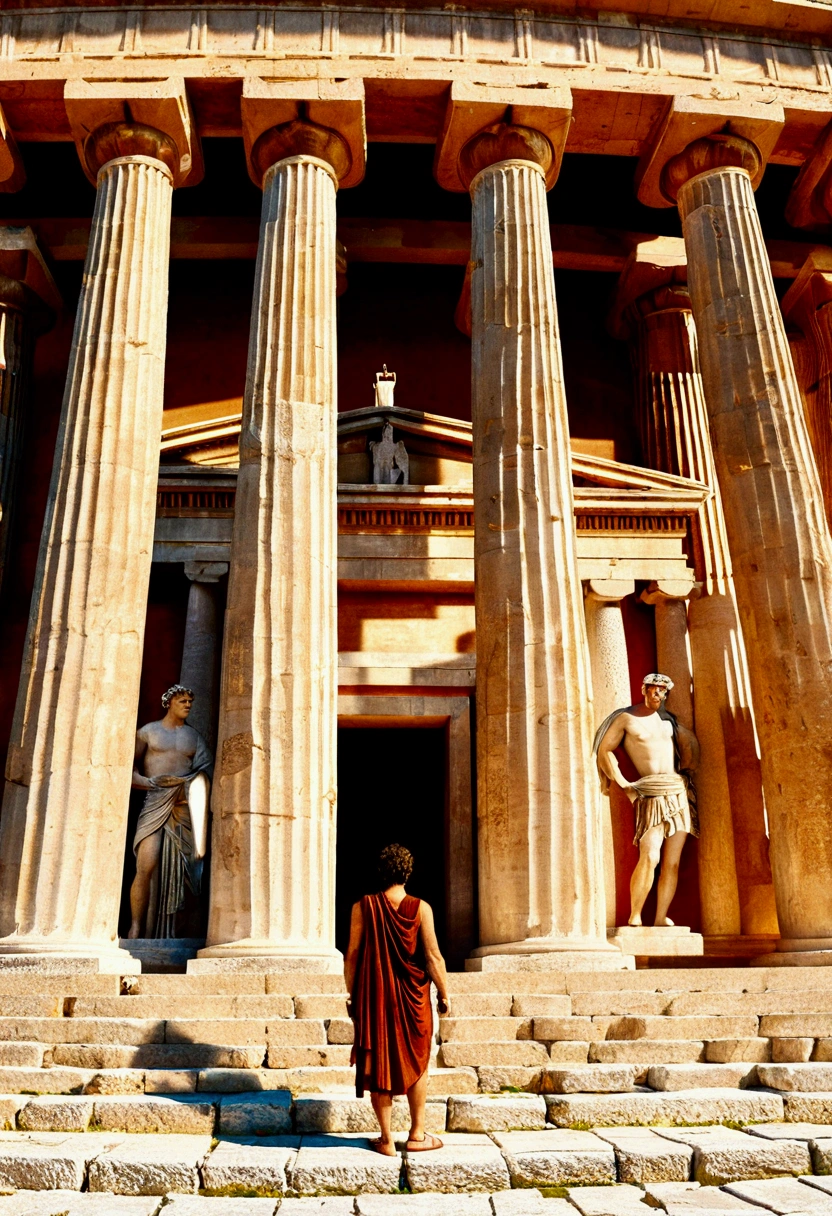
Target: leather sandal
x=424, y=1146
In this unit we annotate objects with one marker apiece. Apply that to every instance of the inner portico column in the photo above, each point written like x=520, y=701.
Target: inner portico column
x=273, y=872
x=200, y=661
x=777, y=532
x=541, y=872
x=64, y=818
x=607, y=644
x=653, y=310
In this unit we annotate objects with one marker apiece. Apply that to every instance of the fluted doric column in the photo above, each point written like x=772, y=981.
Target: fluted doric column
x=808, y=305
x=200, y=660
x=735, y=888
x=607, y=643
x=273, y=874
x=64, y=819
x=541, y=875
x=779, y=541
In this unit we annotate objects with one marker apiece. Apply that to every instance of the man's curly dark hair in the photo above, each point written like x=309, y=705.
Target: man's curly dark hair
x=395, y=864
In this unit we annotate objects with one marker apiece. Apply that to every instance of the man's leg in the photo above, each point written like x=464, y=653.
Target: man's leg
x=649, y=854
x=147, y=859
x=383, y=1107
x=671, y=856
x=417, y=1096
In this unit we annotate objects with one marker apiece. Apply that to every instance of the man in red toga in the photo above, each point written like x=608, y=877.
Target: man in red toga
x=392, y=957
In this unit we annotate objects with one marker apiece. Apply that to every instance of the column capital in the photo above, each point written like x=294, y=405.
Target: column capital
x=300, y=138
x=476, y=110
x=205, y=572
x=110, y=119
x=609, y=590
x=668, y=589
x=697, y=135
x=322, y=118
x=504, y=142
x=25, y=280
x=654, y=279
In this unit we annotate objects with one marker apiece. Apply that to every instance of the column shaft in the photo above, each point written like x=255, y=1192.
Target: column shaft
x=199, y=650
x=15, y=352
x=610, y=691
x=780, y=544
x=64, y=817
x=541, y=867
x=736, y=894
x=273, y=875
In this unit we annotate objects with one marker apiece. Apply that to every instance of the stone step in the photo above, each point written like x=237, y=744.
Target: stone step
x=683, y=1106
x=186, y=1007
x=479, y=1029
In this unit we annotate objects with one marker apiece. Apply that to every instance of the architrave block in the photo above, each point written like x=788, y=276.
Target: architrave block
x=689, y=118
x=12, y=172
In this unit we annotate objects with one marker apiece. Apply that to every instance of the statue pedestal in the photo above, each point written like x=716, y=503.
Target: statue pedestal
x=648, y=941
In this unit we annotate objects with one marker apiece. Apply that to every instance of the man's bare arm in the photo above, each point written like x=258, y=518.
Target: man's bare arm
x=434, y=962
x=351, y=956
x=607, y=759
x=140, y=782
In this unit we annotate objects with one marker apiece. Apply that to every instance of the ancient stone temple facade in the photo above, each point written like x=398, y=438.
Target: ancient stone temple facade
x=591, y=248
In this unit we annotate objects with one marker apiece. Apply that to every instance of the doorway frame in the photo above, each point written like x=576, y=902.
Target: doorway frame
x=454, y=715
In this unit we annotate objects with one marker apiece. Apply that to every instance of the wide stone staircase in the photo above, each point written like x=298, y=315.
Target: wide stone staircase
x=606, y=1092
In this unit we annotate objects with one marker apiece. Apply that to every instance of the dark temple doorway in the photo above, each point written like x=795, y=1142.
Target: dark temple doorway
x=392, y=788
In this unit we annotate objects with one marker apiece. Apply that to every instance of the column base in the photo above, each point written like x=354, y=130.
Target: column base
x=65, y=957
x=657, y=941
x=798, y=952
x=250, y=956
x=549, y=954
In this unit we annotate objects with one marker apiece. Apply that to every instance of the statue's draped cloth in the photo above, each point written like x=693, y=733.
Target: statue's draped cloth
x=667, y=799
x=166, y=809
x=390, y=999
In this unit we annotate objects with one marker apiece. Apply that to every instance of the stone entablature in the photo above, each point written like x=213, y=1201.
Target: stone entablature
x=424, y=49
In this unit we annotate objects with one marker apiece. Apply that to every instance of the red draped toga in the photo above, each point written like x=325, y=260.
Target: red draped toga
x=390, y=999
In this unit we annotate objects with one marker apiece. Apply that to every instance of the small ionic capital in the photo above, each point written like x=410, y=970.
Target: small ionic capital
x=666, y=591
x=301, y=138
x=504, y=142
x=113, y=140
x=718, y=151
x=205, y=572
x=609, y=590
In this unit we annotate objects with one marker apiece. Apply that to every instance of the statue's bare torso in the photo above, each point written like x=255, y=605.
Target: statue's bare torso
x=164, y=751
x=648, y=740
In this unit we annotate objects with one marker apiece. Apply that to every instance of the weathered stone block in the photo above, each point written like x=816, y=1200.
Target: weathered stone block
x=465, y=1163
x=124, y=1031
x=688, y=1198
x=529, y=1203
x=644, y=1051
x=686, y=1028
x=585, y=1030
x=608, y=1200
x=538, y=1005
x=668, y=1077
x=296, y=1032
x=423, y=1205
x=55, y=1114
x=477, y=1030
x=483, y=1005
x=553, y=1158
x=472, y=1055
x=249, y=1165
x=21, y=1055
x=324, y=1056
x=71, y=1203
x=566, y=1052
x=116, y=1081
x=643, y=1156
x=821, y=1151
x=309, y=1080
x=591, y=1079
x=491, y=1113
x=342, y=1165
x=150, y=1165
x=620, y=1004
x=217, y=1031
x=690, y=1106
x=321, y=1005
x=340, y=1030
x=43, y=1162
x=43, y=1080
x=196, y=1205
x=320, y=1113
x=780, y=1195
x=722, y=1155
x=445, y=1081
x=493, y=1079
x=181, y=1114
x=796, y=1025
x=732, y=1051
x=800, y=1077
x=792, y=1051
x=171, y=1081
x=258, y=1114
x=808, y=1108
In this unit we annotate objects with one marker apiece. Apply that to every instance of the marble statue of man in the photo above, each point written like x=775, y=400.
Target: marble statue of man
x=169, y=755
x=665, y=754
x=389, y=459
